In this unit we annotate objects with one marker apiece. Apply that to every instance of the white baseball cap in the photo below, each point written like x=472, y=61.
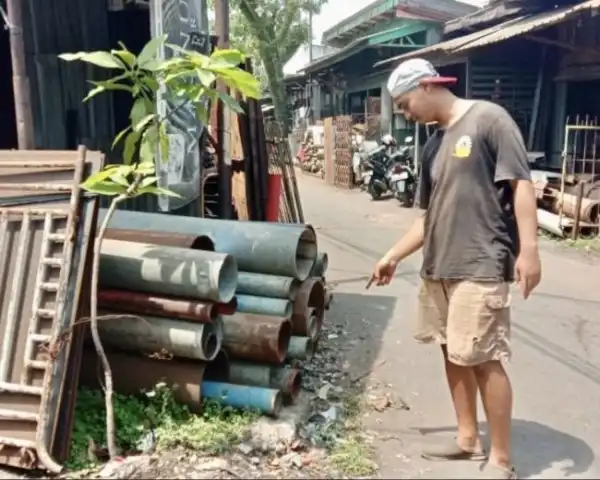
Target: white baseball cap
x=412, y=73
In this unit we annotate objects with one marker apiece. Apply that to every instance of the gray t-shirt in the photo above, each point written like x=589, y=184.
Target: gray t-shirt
x=470, y=226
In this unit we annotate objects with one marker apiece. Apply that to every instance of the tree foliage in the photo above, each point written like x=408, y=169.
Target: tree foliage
x=272, y=31
x=188, y=77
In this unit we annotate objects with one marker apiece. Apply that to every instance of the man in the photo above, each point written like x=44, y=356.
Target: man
x=479, y=234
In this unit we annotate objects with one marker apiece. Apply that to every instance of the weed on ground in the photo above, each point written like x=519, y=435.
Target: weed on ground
x=153, y=420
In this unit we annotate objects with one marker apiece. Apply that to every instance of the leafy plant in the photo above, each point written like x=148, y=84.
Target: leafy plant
x=154, y=413
x=188, y=77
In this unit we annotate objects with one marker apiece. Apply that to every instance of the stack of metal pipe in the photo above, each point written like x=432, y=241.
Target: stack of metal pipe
x=218, y=308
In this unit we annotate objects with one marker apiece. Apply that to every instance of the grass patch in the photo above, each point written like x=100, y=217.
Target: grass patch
x=586, y=244
x=216, y=430
x=353, y=454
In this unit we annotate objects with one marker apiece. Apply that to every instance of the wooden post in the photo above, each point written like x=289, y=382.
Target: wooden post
x=22, y=95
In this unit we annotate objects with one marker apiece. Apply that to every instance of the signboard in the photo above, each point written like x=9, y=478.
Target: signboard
x=185, y=23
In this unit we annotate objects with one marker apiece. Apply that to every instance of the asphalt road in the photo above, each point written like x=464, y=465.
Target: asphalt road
x=555, y=368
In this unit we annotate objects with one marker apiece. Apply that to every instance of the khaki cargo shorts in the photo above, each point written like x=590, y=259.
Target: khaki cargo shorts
x=471, y=318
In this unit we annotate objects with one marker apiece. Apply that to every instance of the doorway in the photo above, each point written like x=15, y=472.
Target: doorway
x=8, y=123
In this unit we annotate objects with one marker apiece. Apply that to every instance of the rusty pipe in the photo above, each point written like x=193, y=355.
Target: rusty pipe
x=288, y=380
x=300, y=348
x=255, y=337
x=197, y=341
x=589, y=211
x=133, y=373
x=310, y=295
x=228, y=308
x=315, y=322
x=194, y=242
x=147, y=304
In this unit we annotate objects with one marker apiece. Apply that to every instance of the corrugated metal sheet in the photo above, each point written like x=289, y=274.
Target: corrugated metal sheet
x=46, y=230
x=498, y=33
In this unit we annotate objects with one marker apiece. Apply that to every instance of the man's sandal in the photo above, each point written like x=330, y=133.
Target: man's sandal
x=452, y=451
x=496, y=472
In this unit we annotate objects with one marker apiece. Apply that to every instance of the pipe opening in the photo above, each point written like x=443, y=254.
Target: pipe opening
x=310, y=349
x=218, y=369
x=316, y=297
x=283, y=339
x=203, y=242
x=227, y=308
x=314, y=324
x=289, y=308
x=228, y=279
x=295, y=383
x=277, y=404
x=210, y=346
x=213, y=312
x=324, y=263
x=306, y=254
x=294, y=288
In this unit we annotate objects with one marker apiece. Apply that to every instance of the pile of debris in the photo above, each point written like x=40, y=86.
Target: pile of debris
x=311, y=155
x=568, y=206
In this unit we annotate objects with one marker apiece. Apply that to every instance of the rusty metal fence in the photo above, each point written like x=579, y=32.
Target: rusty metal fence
x=47, y=226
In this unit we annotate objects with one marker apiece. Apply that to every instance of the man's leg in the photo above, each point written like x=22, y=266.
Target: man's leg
x=463, y=388
x=478, y=337
x=431, y=327
x=496, y=394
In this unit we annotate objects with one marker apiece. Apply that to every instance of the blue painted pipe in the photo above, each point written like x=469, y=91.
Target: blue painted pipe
x=265, y=400
x=275, y=307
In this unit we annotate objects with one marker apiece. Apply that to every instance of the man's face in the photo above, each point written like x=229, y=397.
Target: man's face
x=416, y=105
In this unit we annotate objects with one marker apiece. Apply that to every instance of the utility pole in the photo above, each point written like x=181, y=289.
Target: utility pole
x=20, y=81
x=223, y=137
x=310, y=35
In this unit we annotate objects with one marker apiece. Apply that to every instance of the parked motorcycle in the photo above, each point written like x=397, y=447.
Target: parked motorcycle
x=375, y=168
x=402, y=177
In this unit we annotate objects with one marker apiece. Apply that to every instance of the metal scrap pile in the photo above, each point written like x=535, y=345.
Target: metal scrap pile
x=311, y=156
x=569, y=207
x=215, y=307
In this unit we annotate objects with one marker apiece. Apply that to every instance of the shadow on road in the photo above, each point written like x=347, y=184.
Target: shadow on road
x=364, y=319
x=537, y=448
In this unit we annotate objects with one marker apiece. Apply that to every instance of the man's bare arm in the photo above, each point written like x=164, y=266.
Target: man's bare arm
x=409, y=243
x=526, y=214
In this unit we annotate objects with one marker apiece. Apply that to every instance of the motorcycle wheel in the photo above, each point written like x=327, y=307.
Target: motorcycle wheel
x=375, y=194
x=405, y=200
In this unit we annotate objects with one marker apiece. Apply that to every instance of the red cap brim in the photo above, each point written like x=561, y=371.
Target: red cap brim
x=439, y=81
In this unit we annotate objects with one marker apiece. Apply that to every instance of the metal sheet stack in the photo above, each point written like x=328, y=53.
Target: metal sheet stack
x=218, y=308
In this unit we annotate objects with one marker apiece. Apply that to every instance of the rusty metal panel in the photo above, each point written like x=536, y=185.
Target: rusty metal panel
x=47, y=226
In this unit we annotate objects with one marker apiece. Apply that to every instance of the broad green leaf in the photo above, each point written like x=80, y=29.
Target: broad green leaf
x=120, y=178
x=120, y=136
x=228, y=56
x=230, y=102
x=130, y=147
x=143, y=122
x=103, y=187
x=206, y=77
x=148, y=181
x=100, y=59
x=138, y=111
x=93, y=92
x=145, y=168
x=125, y=55
x=101, y=175
x=150, y=50
x=147, y=151
x=149, y=82
x=111, y=85
x=202, y=113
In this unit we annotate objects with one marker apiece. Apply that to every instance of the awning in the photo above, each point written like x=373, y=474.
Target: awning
x=360, y=44
x=498, y=33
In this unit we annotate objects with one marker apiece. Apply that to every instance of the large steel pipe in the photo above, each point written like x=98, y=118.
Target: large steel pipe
x=311, y=295
x=288, y=380
x=275, y=307
x=260, y=247
x=133, y=373
x=300, y=348
x=195, y=242
x=257, y=338
x=320, y=267
x=261, y=285
x=147, y=304
x=168, y=270
x=265, y=400
x=198, y=341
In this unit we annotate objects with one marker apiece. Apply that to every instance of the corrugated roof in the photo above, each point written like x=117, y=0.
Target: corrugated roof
x=498, y=33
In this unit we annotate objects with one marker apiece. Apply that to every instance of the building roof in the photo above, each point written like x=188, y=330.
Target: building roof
x=512, y=28
x=382, y=10
x=301, y=58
